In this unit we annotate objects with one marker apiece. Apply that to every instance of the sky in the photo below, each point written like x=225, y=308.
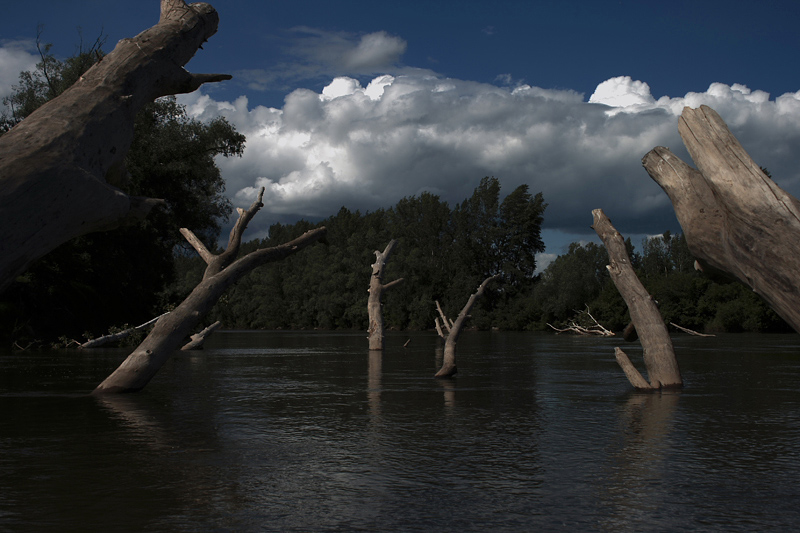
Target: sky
x=359, y=104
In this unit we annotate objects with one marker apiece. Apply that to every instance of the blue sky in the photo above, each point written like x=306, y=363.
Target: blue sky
x=362, y=103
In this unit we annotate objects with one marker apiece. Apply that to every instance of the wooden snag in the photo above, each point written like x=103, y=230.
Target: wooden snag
x=659, y=355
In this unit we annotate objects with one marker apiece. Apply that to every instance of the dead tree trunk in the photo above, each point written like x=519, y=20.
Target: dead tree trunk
x=61, y=167
x=659, y=355
x=454, y=330
x=735, y=219
x=376, y=288
x=171, y=330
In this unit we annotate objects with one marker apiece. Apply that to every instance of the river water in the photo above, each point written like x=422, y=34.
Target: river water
x=308, y=431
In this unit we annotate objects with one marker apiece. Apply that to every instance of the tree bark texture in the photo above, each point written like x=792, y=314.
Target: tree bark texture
x=170, y=331
x=449, y=358
x=61, y=167
x=735, y=218
x=658, y=353
x=376, y=289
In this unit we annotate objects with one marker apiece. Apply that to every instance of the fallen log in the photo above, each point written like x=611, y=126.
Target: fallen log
x=735, y=218
x=115, y=337
x=595, y=329
x=689, y=331
x=198, y=339
x=659, y=355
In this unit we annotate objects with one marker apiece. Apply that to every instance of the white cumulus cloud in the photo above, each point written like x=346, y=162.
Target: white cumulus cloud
x=15, y=57
x=367, y=147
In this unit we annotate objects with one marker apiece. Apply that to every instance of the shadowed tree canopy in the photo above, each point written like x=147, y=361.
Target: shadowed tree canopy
x=103, y=279
x=62, y=168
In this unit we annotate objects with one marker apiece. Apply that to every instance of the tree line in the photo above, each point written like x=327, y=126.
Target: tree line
x=444, y=253
x=103, y=280
x=578, y=280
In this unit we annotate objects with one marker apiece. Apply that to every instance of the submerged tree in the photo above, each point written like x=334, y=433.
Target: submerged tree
x=171, y=330
x=376, y=289
x=450, y=331
x=658, y=353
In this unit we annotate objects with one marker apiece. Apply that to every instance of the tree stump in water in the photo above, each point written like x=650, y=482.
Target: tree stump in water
x=454, y=330
x=376, y=288
x=658, y=353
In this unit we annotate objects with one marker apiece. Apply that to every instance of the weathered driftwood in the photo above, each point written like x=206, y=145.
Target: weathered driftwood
x=444, y=325
x=171, y=330
x=61, y=167
x=115, y=337
x=198, y=339
x=690, y=331
x=376, y=289
x=735, y=218
x=454, y=330
x=595, y=329
x=659, y=355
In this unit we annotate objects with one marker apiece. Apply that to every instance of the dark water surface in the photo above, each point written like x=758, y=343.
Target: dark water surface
x=308, y=431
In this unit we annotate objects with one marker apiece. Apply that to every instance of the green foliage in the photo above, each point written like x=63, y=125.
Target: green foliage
x=110, y=278
x=442, y=255
x=50, y=78
x=665, y=266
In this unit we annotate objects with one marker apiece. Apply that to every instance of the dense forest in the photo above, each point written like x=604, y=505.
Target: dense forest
x=106, y=280
x=444, y=254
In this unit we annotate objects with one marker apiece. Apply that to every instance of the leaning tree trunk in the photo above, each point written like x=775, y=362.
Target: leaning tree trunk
x=734, y=217
x=171, y=330
x=449, y=359
x=659, y=355
x=376, y=288
x=61, y=167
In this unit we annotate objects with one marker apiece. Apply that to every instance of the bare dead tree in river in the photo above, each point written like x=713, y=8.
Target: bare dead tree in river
x=735, y=218
x=172, y=329
x=376, y=289
x=61, y=167
x=454, y=330
x=658, y=353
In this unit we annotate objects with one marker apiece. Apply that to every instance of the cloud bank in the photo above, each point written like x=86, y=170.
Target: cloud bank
x=15, y=57
x=365, y=141
x=367, y=146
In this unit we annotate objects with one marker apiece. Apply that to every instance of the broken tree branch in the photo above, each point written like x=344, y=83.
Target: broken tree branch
x=198, y=339
x=114, y=337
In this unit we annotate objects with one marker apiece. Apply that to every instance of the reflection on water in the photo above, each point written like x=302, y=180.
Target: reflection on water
x=312, y=431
